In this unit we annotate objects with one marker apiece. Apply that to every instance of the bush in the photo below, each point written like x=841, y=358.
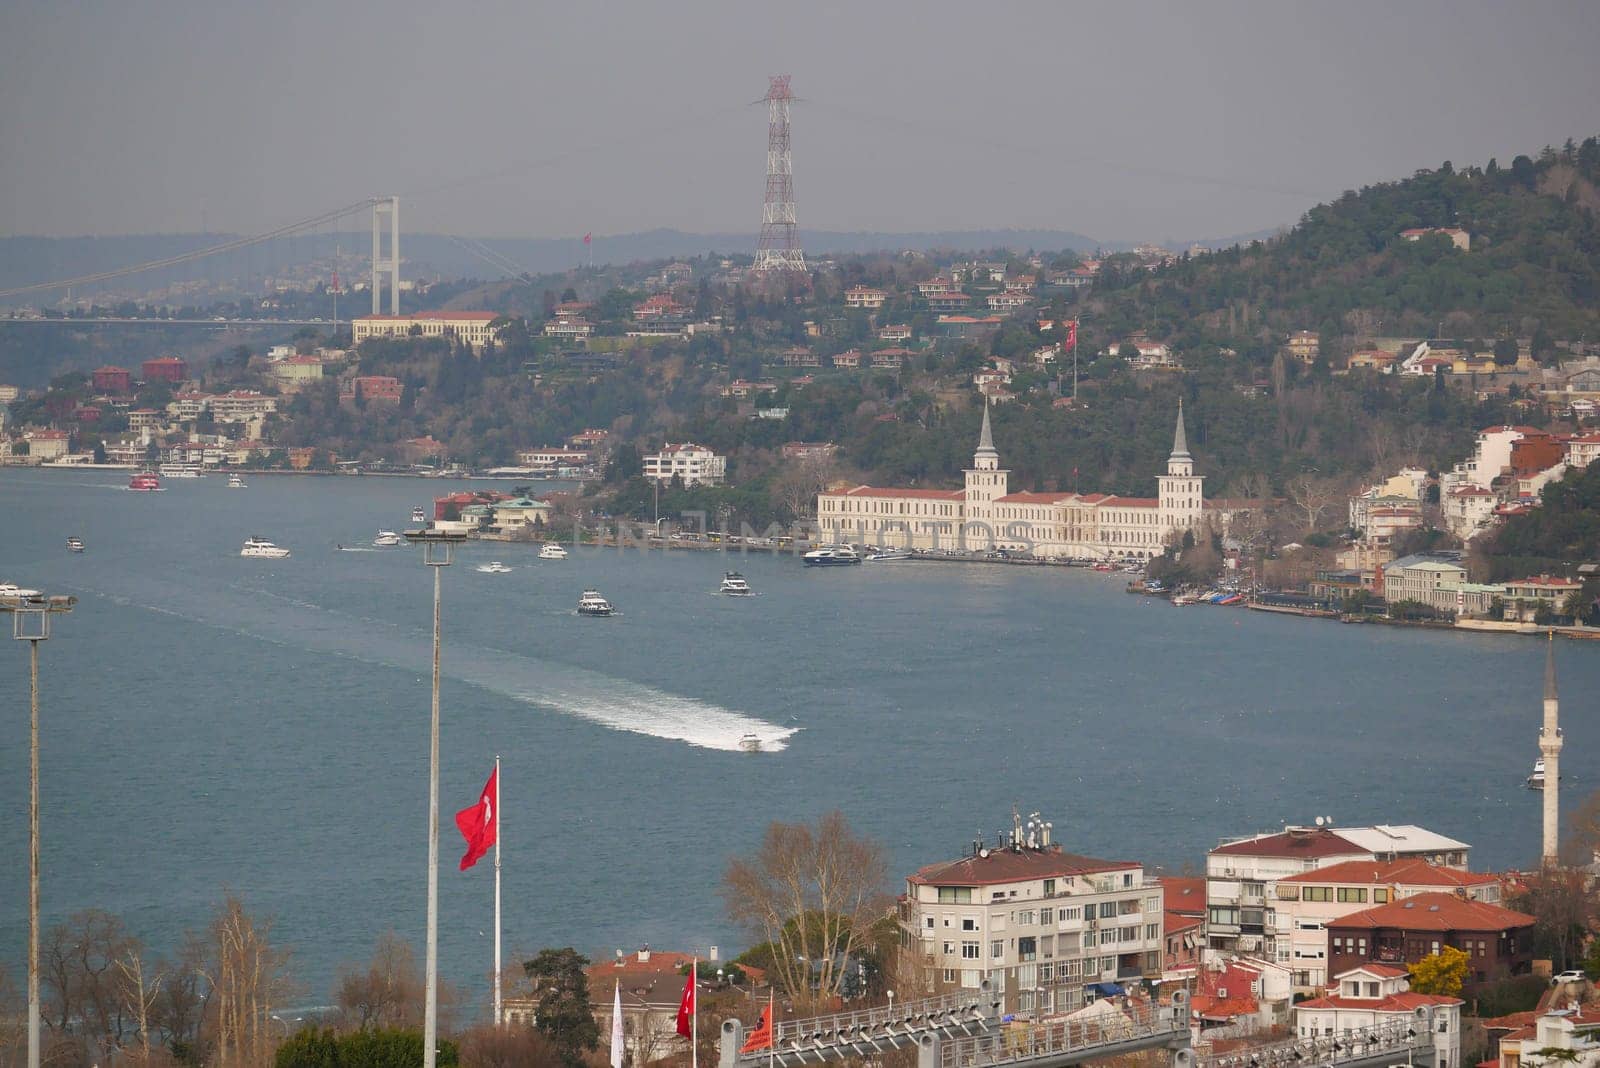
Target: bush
x=323, y=1048
x=1519, y=994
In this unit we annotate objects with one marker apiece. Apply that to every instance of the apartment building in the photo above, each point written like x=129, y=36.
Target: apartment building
x=1050, y=930
x=471, y=327
x=1376, y=994
x=694, y=464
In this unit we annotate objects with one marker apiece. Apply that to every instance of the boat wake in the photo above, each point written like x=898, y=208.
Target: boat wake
x=616, y=704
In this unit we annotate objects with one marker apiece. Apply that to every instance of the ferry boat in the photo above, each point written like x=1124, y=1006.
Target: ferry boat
x=145, y=482
x=734, y=585
x=75, y=545
x=592, y=604
x=552, y=551
x=388, y=539
x=833, y=556
x=750, y=743
x=419, y=516
x=883, y=556
x=236, y=481
x=181, y=471
x=262, y=548
x=494, y=567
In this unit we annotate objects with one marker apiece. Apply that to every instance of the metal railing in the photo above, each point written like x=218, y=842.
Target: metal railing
x=1412, y=1038
x=1068, y=1041
x=816, y=1039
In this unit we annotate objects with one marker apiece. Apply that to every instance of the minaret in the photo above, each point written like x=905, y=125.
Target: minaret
x=986, y=480
x=1181, y=493
x=1550, y=749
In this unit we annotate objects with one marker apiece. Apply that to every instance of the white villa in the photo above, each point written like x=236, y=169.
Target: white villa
x=984, y=514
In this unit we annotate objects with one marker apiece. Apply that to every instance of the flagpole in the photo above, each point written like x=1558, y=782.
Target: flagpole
x=694, y=1013
x=497, y=828
x=772, y=1027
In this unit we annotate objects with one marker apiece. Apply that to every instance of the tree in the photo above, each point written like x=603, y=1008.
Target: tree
x=388, y=993
x=81, y=983
x=325, y=1048
x=1562, y=909
x=247, y=975
x=813, y=893
x=1311, y=496
x=1443, y=972
x=561, y=994
x=1505, y=352
x=511, y=1046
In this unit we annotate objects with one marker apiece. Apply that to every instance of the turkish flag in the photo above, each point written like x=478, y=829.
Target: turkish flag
x=480, y=824
x=586, y=238
x=1072, y=335
x=686, y=1007
x=761, y=1037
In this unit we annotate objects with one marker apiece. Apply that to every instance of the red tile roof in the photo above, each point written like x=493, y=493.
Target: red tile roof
x=1510, y=1022
x=1173, y=922
x=1406, y=1001
x=1411, y=871
x=1183, y=894
x=1010, y=866
x=1302, y=842
x=1436, y=912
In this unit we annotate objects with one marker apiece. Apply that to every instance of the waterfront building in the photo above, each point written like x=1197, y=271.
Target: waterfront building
x=470, y=327
x=985, y=514
x=694, y=464
x=1375, y=994
x=241, y=406
x=1426, y=578
x=1048, y=929
x=1497, y=940
x=46, y=445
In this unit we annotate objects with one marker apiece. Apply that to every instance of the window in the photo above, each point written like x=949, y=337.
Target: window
x=1353, y=894
x=1088, y=939
x=1108, y=909
x=1380, y=896
x=1317, y=893
x=1152, y=931
x=969, y=950
x=1047, y=973
x=1127, y=878
x=1027, y=948
x=1049, y=887
x=1072, y=913
x=949, y=975
x=1047, y=917
x=997, y=949
x=971, y=978
x=949, y=948
x=969, y=924
x=955, y=895
x=1108, y=964
x=1025, y=917
x=1128, y=907
x=930, y=923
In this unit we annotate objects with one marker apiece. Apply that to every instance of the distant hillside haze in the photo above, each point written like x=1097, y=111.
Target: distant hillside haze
x=29, y=260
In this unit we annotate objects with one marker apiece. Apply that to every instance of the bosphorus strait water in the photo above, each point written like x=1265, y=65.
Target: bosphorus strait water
x=213, y=722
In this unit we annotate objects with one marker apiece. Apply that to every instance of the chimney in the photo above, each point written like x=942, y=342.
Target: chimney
x=644, y=954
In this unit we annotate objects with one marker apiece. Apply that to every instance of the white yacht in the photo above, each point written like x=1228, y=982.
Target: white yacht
x=260, y=547
x=552, y=551
x=180, y=471
x=750, y=743
x=885, y=555
x=1537, y=779
x=236, y=481
x=592, y=604
x=734, y=585
x=75, y=545
x=494, y=567
x=388, y=539
x=10, y=591
x=418, y=515
x=832, y=556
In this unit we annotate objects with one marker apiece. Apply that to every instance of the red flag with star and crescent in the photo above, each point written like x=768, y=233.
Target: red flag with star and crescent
x=480, y=824
x=588, y=238
x=686, y=1006
x=1072, y=335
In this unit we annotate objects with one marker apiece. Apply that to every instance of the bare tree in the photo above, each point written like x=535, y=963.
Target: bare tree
x=513, y=1046
x=13, y=1021
x=813, y=893
x=180, y=1005
x=1311, y=496
x=247, y=975
x=81, y=985
x=795, y=489
x=140, y=988
x=387, y=993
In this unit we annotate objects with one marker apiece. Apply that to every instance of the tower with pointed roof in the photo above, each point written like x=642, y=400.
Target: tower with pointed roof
x=1550, y=748
x=1181, y=496
x=986, y=479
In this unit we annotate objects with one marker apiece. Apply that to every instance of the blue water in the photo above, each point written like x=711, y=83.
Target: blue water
x=212, y=722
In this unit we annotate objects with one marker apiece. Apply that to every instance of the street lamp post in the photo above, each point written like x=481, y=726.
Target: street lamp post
x=438, y=550
x=30, y=622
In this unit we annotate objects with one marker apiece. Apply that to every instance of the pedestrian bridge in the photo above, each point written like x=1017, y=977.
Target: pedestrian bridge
x=967, y=1031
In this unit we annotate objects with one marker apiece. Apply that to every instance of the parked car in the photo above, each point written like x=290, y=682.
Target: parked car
x=1573, y=976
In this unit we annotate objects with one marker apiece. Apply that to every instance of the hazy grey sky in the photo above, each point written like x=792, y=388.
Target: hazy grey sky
x=1118, y=120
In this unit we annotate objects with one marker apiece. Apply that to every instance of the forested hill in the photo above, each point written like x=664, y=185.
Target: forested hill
x=1346, y=272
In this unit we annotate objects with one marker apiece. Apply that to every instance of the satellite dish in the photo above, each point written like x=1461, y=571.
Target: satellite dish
x=1319, y=821
x=984, y=853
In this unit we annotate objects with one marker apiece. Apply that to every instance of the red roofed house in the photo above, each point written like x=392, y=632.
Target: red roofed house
x=112, y=380
x=1308, y=902
x=864, y=297
x=1246, y=993
x=1025, y=915
x=164, y=369
x=1496, y=939
x=1560, y=1024
x=1375, y=994
x=1551, y=589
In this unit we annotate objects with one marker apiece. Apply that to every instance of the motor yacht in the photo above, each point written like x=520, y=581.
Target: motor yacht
x=592, y=604
x=388, y=539
x=832, y=556
x=494, y=567
x=181, y=471
x=552, y=551
x=262, y=548
x=145, y=482
x=10, y=593
x=750, y=743
x=75, y=545
x=883, y=556
x=418, y=515
x=236, y=481
x=735, y=585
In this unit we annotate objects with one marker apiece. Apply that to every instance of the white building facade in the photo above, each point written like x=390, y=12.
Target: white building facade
x=1374, y=995
x=694, y=464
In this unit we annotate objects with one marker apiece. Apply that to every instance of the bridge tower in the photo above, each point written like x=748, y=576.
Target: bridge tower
x=386, y=264
x=778, y=248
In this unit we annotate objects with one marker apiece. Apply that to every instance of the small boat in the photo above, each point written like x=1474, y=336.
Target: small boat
x=418, y=515
x=388, y=539
x=1103, y=566
x=145, y=482
x=1183, y=600
x=1534, y=781
x=734, y=585
x=592, y=604
x=832, y=556
x=494, y=567
x=236, y=481
x=260, y=547
x=750, y=743
x=10, y=592
x=884, y=556
x=75, y=544
x=552, y=551
x=181, y=471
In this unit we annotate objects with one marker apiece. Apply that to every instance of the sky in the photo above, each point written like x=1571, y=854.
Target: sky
x=1123, y=121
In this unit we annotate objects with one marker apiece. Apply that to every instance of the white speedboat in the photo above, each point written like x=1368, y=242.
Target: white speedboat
x=75, y=544
x=236, y=481
x=552, y=551
x=10, y=591
x=1537, y=779
x=832, y=556
x=388, y=539
x=418, y=515
x=592, y=604
x=734, y=585
x=883, y=556
x=494, y=567
x=180, y=471
x=262, y=548
x=750, y=743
